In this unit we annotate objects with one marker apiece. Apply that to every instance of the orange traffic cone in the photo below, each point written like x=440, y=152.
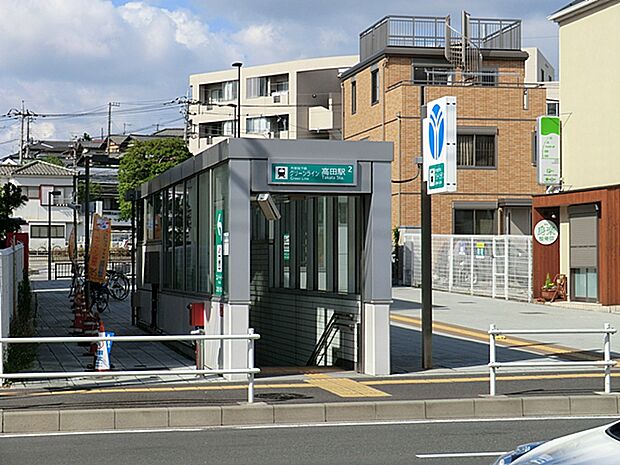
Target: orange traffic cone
x=102, y=361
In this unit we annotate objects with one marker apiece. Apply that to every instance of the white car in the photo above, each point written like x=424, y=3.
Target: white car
x=597, y=446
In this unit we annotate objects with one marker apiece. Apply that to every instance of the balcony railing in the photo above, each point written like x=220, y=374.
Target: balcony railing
x=430, y=31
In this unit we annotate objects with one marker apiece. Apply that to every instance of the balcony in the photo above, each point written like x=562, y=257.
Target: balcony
x=431, y=32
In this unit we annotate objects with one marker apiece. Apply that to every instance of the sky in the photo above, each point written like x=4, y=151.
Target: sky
x=67, y=57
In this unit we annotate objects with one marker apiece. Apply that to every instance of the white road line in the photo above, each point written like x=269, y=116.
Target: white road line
x=455, y=455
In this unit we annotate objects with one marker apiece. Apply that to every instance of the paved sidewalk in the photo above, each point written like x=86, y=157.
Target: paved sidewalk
x=54, y=318
x=478, y=313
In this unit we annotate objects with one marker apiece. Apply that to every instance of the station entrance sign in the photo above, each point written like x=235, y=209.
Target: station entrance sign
x=313, y=173
x=439, y=143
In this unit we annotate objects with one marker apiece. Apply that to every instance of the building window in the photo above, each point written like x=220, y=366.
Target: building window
x=265, y=86
x=353, y=97
x=40, y=232
x=374, y=86
x=430, y=75
x=215, y=129
x=471, y=221
x=218, y=92
x=542, y=75
x=475, y=151
x=553, y=108
x=273, y=125
x=488, y=77
x=31, y=192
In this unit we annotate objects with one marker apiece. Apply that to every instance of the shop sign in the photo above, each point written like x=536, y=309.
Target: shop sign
x=286, y=242
x=313, y=173
x=219, y=252
x=480, y=250
x=548, y=150
x=99, y=253
x=546, y=232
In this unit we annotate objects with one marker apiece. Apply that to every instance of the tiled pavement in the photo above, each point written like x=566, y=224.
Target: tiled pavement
x=54, y=318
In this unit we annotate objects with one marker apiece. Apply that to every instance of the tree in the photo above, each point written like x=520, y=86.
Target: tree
x=54, y=160
x=11, y=198
x=145, y=160
x=94, y=191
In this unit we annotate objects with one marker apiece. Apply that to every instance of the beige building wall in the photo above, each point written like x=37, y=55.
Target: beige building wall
x=590, y=66
x=262, y=106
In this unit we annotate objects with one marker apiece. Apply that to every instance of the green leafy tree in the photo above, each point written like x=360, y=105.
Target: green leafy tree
x=94, y=191
x=54, y=160
x=11, y=198
x=145, y=160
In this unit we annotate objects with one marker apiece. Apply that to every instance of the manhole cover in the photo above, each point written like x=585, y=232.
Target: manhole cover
x=282, y=396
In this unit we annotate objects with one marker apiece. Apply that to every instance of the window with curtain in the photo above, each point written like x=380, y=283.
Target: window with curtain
x=475, y=151
x=257, y=87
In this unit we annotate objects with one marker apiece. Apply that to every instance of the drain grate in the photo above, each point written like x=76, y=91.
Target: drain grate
x=282, y=396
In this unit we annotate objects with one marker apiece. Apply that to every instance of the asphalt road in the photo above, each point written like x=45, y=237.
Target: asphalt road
x=434, y=443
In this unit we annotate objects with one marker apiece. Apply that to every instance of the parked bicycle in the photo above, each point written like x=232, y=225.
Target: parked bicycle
x=117, y=284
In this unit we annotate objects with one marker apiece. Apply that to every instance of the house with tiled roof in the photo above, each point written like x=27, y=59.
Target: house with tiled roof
x=37, y=180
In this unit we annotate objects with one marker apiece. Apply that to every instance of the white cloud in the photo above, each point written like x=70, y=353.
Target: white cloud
x=67, y=55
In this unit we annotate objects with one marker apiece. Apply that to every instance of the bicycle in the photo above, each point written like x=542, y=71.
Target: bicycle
x=118, y=284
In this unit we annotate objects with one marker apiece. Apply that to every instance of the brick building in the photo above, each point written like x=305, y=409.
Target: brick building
x=401, y=57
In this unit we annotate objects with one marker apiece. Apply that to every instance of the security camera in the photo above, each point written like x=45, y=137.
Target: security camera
x=268, y=207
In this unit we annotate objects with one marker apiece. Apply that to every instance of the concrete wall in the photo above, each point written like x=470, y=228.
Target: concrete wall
x=589, y=64
x=11, y=273
x=536, y=63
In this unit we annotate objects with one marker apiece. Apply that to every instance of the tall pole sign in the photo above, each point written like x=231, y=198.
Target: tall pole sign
x=439, y=138
x=548, y=150
x=438, y=141
x=219, y=252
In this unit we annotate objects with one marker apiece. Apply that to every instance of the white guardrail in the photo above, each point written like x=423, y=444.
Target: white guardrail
x=607, y=363
x=250, y=371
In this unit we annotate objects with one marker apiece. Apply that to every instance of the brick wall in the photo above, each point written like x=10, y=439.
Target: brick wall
x=397, y=116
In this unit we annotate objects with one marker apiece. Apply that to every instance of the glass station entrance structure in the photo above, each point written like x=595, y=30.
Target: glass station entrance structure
x=291, y=238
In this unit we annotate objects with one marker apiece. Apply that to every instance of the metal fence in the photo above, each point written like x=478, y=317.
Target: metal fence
x=250, y=371
x=493, y=266
x=606, y=363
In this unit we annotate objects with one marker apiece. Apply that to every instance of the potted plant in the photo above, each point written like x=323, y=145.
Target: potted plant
x=547, y=292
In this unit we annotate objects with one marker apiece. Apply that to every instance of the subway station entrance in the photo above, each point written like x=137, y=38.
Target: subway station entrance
x=291, y=238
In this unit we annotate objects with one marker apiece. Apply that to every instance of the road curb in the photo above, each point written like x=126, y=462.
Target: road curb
x=45, y=421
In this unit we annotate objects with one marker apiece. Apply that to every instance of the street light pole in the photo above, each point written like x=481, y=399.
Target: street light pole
x=50, y=194
x=238, y=65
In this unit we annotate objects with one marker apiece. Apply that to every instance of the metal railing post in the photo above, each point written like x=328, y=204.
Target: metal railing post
x=494, y=267
x=471, y=266
x=250, y=366
x=451, y=264
x=506, y=267
x=607, y=351
x=529, y=270
x=492, y=359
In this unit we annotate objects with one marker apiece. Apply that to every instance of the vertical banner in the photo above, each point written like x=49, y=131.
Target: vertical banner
x=219, y=252
x=548, y=148
x=71, y=247
x=439, y=142
x=99, y=249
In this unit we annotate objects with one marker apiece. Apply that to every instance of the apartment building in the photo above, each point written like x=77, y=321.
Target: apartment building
x=405, y=60
x=585, y=207
x=289, y=100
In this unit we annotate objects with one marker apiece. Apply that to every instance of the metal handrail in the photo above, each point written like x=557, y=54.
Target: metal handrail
x=250, y=371
x=494, y=365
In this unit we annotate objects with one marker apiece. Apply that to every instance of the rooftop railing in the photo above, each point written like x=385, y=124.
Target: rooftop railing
x=430, y=31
